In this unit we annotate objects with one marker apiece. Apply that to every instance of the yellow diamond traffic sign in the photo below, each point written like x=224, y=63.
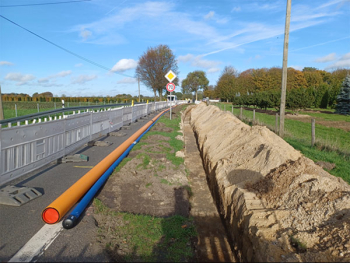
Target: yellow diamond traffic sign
x=170, y=76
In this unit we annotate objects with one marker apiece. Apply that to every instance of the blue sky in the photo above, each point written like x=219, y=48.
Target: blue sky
x=203, y=34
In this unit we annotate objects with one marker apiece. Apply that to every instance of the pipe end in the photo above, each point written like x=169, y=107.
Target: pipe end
x=70, y=222
x=50, y=215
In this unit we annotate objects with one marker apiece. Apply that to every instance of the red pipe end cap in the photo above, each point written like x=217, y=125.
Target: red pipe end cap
x=50, y=215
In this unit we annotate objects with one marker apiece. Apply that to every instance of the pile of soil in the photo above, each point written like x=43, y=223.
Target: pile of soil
x=315, y=210
x=266, y=190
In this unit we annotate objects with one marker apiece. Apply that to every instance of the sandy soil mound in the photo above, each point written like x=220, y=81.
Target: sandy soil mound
x=277, y=204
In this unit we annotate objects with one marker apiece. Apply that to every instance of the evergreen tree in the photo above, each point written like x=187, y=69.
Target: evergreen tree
x=343, y=98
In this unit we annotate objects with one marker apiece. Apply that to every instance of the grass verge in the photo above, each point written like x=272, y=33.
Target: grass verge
x=152, y=239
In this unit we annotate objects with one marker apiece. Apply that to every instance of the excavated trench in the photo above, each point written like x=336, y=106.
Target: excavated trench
x=276, y=204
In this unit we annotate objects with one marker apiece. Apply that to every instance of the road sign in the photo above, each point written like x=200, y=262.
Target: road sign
x=170, y=76
x=170, y=87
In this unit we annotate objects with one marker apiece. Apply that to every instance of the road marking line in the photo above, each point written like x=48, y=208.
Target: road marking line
x=38, y=243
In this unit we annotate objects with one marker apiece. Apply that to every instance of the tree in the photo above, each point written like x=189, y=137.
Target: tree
x=152, y=67
x=343, y=98
x=195, y=81
x=226, y=88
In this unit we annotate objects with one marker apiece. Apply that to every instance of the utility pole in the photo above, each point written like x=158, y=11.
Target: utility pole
x=138, y=80
x=284, y=68
x=1, y=109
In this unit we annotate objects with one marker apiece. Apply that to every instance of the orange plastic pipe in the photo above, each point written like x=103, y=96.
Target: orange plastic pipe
x=58, y=208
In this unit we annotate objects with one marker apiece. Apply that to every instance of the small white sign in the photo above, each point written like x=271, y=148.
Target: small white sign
x=170, y=87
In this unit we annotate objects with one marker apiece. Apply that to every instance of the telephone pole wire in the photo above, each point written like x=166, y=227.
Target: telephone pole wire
x=284, y=68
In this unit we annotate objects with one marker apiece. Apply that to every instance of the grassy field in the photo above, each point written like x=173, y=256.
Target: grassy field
x=29, y=107
x=332, y=144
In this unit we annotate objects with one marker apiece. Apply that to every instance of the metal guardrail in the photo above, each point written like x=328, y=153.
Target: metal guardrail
x=58, y=111
x=24, y=148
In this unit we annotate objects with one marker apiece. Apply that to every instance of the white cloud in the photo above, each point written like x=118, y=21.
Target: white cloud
x=333, y=2
x=105, y=28
x=209, y=15
x=185, y=58
x=78, y=65
x=328, y=58
x=300, y=68
x=82, y=79
x=6, y=63
x=20, y=78
x=345, y=57
x=340, y=64
x=222, y=20
x=197, y=61
x=127, y=81
x=124, y=64
x=55, y=76
x=213, y=70
x=236, y=9
x=85, y=34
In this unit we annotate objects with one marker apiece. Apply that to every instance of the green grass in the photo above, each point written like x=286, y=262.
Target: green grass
x=152, y=238
x=332, y=144
x=121, y=165
x=165, y=181
x=145, y=160
x=327, y=117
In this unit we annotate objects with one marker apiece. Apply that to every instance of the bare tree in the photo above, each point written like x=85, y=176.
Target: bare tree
x=152, y=67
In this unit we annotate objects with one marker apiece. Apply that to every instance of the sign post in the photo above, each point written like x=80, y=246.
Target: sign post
x=170, y=87
x=170, y=76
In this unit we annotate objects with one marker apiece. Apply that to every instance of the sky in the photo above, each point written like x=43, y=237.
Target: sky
x=91, y=48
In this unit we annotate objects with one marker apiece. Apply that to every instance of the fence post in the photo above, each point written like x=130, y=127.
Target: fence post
x=16, y=109
x=312, y=132
x=38, y=106
x=253, y=116
x=241, y=114
x=276, y=124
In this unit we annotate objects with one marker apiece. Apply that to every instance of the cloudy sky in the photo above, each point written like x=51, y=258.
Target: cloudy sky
x=109, y=36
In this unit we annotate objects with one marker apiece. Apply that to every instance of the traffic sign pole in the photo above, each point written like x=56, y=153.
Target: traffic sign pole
x=170, y=105
x=170, y=86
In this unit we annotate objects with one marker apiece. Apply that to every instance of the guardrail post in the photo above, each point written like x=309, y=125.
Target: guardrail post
x=253, y=116
x=91, y=130
x=64, y=137
x=313, y=137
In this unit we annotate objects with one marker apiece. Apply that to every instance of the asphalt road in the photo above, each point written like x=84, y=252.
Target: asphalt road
x=19, y=224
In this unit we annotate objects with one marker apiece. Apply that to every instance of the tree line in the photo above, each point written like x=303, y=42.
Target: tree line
x=307, y=88
x=49, y=97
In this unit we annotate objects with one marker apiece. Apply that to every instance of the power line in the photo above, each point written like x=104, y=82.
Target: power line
x=64, y=49
x=53, y=3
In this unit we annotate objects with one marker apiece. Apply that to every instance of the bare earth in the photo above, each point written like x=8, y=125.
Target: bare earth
x=158, y=188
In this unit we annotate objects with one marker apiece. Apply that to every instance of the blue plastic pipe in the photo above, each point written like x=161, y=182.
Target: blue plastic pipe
x=73, y=218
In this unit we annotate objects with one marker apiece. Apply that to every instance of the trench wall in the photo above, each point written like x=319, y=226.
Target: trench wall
x=261, y=186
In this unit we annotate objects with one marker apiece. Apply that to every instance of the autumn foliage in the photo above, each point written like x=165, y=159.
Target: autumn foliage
x=261, y=87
